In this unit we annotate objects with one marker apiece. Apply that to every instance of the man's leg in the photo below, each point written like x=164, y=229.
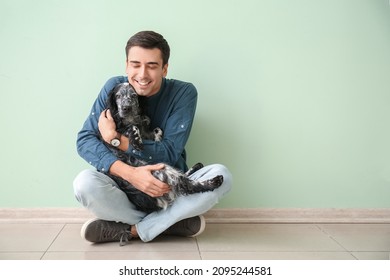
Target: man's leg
x=186, y=206
x=100, y=195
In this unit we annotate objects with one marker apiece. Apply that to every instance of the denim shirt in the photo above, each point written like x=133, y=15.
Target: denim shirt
x=172, y=109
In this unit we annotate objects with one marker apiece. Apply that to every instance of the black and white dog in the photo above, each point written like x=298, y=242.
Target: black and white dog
x=125, y=109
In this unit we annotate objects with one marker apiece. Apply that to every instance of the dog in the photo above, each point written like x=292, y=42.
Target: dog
x=124, y=106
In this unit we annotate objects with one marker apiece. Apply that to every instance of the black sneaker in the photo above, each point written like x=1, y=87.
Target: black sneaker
x=99, y=231
x=190, y=227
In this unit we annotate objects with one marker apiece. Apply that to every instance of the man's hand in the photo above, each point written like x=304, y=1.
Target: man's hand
x=141, y=177
x=107, y=127
x=143, y=180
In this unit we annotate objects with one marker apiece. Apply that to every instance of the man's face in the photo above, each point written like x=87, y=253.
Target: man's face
x=145, y=70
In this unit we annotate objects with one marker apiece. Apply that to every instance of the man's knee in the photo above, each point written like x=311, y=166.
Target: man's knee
x=84, y=184
x=82, y=180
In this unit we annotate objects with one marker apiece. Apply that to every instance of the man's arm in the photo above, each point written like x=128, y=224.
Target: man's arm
x=139, y=177
x=108, y=131
x=89, y=145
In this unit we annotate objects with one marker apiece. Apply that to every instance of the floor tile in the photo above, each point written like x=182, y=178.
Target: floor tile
x=129, y=255
x=27, y=237
x=360, y=237
x=372, y=255
x=277, y=256
x=218, y=242
x=21, y=255
x=69, y=240
x=265, y=237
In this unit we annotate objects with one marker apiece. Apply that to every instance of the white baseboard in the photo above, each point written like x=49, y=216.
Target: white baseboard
x=300, y=215
x=247, y=216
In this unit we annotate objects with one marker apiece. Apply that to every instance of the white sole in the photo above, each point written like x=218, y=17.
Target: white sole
x=85, y=225
x=202, y=226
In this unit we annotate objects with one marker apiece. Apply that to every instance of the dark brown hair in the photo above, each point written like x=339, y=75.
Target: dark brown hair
x=149, y=40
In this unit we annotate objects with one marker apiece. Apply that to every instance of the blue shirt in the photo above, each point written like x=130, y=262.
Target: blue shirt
x=172, y=109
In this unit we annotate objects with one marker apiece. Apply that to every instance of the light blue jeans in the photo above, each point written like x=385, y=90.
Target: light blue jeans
x=101, y=196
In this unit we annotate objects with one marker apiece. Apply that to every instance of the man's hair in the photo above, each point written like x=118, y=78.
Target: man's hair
x=149, y=40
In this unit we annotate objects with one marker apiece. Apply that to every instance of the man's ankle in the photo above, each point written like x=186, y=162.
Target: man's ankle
x=133, y=231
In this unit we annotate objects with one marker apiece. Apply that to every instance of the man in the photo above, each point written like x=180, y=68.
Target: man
x=171, y=106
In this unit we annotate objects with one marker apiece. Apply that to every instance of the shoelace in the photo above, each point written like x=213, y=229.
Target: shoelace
x=125, y=238
x=112, y=234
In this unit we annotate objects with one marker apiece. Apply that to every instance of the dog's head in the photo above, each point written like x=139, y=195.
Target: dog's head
x=123, y=101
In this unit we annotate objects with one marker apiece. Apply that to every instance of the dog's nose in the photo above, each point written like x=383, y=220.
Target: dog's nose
x=126, y=108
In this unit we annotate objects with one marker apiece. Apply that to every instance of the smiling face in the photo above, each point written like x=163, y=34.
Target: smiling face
x=145, y=70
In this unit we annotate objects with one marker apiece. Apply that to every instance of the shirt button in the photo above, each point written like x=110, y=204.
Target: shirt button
x=150, y=157
x=182, y=126
x=103, y=169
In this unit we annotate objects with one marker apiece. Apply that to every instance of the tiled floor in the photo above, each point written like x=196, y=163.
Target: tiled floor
x=219, y=241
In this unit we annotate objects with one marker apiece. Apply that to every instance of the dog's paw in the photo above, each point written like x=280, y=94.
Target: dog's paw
x=145, y=120
x=158, y=134
x=135, y=138
x=216, y=181
x=194, y=168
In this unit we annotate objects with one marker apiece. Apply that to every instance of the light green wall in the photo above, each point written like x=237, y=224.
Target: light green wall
x=294, y=95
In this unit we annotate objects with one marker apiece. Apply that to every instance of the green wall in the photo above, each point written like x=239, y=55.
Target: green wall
x=294, y=95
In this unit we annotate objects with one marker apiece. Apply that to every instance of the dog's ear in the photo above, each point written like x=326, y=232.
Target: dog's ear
x=111, y=102
x=131, y=87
